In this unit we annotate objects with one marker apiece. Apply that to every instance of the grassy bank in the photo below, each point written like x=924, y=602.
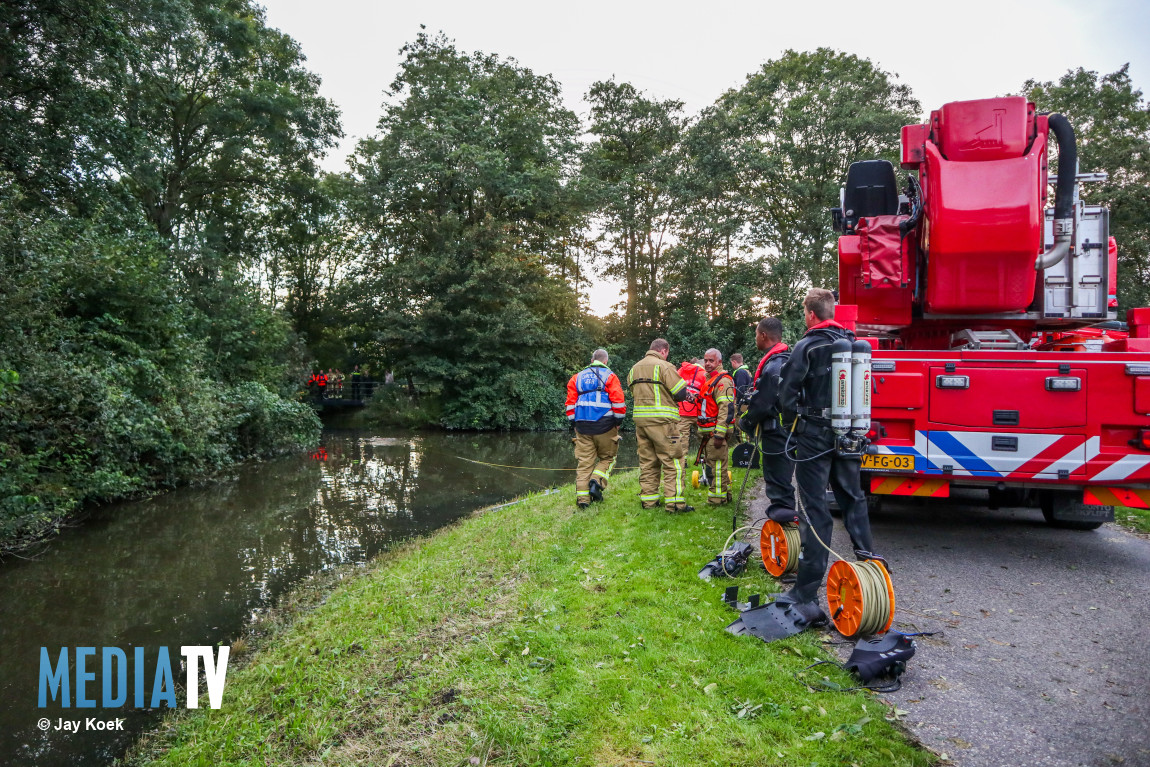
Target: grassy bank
x=536, y=634
x=1137, y=520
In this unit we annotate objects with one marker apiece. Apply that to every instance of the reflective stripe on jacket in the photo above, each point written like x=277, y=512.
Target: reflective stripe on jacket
x=595, y=393
x=656, y=388
x=718, y=404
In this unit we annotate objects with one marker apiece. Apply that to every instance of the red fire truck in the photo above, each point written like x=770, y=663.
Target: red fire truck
x=997, y=360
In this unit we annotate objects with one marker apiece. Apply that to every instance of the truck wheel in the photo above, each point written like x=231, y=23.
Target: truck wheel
x=1063, y=524
x=1057, y=506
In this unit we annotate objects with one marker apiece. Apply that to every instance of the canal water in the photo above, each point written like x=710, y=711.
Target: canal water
x=195, y=566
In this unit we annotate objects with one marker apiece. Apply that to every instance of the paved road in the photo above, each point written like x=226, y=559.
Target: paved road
x=1043, y=656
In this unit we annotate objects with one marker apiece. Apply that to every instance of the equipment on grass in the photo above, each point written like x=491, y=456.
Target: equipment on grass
x=885, y=657
x=729, y=563
x=705, y=477
x=775, y=620
x=872, y=659
x=861, y=597
x=779, y=544
x=745, y=456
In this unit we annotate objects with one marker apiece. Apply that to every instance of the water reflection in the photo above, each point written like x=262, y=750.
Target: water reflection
x=191, y=567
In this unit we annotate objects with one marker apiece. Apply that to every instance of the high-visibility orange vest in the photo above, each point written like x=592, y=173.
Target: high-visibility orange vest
x=710, y=409
x=695, y=377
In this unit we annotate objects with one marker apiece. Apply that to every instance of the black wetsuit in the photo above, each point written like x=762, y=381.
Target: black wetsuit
x=805, y=392
x=763, y=412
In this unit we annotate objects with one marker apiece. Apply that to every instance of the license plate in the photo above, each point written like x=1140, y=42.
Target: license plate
x=888, y=462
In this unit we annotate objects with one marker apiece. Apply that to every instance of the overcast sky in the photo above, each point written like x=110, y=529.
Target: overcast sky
x=945, y=51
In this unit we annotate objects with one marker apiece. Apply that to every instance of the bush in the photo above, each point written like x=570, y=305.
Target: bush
x=107, y=385
x=261, y=424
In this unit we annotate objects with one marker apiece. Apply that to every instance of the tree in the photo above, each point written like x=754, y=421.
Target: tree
x=59, y=61
x=145, y=147
x=466, y=201
x=1112, y=127
x=629, y=169
x=309, y=244
x=216, y=108
x=802, y=119
x=711, y=278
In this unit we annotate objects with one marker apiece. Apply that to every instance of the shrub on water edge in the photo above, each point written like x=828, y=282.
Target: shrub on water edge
x=115, y=379
x=261, y=424
x=106, y=441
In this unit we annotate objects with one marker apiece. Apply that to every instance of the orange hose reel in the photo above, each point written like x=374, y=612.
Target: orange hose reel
x=860, y=598
x=779, y=546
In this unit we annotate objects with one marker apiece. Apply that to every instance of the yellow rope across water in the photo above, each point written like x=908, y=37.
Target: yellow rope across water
x=533, y=468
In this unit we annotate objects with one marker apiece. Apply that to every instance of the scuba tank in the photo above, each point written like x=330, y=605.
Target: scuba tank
x=850, y=394
x=841, y=387
x=860, y=387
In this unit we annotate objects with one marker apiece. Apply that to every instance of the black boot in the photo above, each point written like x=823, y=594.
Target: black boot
x=811, y=613
x=596, y=491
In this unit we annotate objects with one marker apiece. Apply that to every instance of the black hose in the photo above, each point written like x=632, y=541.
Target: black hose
x=915, y=193
x=1067, y=166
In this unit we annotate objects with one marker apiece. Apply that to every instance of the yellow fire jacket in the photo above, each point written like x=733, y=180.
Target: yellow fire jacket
x=656, y=389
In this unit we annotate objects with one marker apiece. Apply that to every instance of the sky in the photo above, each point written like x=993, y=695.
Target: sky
x=945, y=51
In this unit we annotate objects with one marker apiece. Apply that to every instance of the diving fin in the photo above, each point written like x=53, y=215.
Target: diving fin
x=770, y=622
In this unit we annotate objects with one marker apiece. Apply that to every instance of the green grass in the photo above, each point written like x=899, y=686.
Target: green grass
x=1137, y=520
x=537, y=635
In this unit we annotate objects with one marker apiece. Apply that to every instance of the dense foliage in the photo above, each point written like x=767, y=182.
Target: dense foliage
x=467, y=192
x=140, y=147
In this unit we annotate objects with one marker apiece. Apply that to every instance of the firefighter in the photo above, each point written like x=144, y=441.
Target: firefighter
x=805, y=399
x=355, y=388
x=743, y=382
x=689, y=410
x=716, y=414
x=595, y=406
x=655, y=390
x=763, y=414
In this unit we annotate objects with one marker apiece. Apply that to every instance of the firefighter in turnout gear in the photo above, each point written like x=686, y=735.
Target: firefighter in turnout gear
x=656, y=388
x=595, y=406
x=716, y=415
x=805, y=394
x=763, y=414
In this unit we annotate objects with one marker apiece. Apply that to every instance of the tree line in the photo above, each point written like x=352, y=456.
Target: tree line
x=174, y=258
x=482, y=208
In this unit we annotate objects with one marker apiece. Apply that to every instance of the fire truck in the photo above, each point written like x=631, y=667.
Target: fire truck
x=997, y=360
